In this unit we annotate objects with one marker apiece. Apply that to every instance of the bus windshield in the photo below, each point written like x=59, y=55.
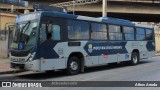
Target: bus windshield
x=24, y=36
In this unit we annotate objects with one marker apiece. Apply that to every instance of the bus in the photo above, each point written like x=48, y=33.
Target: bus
x=50, y=40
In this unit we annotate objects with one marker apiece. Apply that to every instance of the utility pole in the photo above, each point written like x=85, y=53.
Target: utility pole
x=12, y=7
x=104, y=8
x=74, y=3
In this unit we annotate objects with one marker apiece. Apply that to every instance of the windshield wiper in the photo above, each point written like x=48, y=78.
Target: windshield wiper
x=25, y=28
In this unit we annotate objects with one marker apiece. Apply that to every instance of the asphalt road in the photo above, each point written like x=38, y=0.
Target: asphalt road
x=146, y=70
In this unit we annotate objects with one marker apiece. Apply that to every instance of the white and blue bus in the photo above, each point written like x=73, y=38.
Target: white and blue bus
x=50, y=40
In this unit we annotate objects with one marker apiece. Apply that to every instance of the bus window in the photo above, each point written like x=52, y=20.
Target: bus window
x=140, y=34
x=55, y=32
x=128, y=33
x=99, y=31
x=149, y=34
x=85, y=30
x=115, y=32
x=78, y=29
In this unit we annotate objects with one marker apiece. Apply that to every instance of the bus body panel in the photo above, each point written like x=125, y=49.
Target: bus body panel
x=33, y=65
x=53, y=64
x=94, y=56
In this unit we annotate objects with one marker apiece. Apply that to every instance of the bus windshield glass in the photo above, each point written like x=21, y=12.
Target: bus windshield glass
x=24, y=36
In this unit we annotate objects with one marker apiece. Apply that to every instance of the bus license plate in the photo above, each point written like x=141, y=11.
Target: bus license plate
x=21, y=60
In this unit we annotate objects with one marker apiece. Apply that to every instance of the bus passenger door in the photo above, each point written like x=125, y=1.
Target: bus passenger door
x=50, y=35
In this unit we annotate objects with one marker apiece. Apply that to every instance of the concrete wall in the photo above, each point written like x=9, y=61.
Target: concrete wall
x=157, y=38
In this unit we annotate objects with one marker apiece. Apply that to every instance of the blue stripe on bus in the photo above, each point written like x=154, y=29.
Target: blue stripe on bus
x=58, y=14
x=47, y=51
x=150, y=45
x=94, y=48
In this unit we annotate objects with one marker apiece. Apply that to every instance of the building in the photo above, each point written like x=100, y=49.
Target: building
x=157, y=38
x=6, y=18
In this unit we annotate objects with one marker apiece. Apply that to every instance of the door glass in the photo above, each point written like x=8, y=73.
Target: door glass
x=43, y=35
x=55, y=32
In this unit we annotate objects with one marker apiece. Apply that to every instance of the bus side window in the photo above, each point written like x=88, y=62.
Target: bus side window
x=149, y=34
x=140, y=34
x=43, y=35
x=55, y=31
x=115, y=32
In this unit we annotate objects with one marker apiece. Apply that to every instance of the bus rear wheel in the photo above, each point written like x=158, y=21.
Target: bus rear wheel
x=134, y=58
x=73, y=66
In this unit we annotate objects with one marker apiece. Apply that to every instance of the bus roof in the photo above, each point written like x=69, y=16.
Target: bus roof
x=109, y=20
x=143, y=26
x=103, y=20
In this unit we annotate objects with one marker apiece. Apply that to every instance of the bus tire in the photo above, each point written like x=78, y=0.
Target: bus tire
x=73, y=66
x=134, y=58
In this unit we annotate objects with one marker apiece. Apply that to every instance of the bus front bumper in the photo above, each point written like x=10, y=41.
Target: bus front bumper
x=32, y=65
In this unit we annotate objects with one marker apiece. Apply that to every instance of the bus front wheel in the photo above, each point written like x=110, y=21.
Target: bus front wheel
x=134, y=58
x=73, y=66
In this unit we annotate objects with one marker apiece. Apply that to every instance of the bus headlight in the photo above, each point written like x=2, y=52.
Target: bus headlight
x=31, y=57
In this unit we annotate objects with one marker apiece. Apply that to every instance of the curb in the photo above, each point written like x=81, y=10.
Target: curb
x=11, y=71
x=157, y=55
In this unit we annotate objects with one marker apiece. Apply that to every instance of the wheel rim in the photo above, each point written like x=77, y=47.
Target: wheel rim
x=135, y=58
x=74, y=65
